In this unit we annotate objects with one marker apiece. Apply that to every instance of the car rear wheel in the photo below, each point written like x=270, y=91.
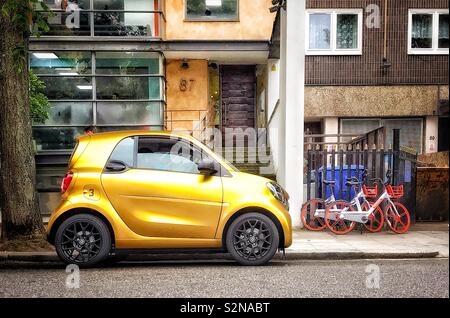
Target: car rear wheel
x=252, y=239
x=83, y=239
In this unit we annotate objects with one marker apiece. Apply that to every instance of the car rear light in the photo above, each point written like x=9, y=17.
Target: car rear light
x=66, y=181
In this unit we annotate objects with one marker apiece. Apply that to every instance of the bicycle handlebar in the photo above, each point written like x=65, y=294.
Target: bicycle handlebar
x=380, y=181
x=364, y=177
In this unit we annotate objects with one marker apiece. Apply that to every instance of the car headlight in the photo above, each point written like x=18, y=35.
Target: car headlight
x=279, y=193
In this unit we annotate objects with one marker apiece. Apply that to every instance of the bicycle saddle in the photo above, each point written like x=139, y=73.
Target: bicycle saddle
x=328, y=182
x=352, y=183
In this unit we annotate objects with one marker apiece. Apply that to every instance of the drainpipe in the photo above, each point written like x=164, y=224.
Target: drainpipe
x=386, y=64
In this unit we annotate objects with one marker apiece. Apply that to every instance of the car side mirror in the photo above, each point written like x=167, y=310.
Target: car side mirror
x=206, y=167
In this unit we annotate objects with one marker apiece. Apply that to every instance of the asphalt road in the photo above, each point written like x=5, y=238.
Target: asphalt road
x=351, y=278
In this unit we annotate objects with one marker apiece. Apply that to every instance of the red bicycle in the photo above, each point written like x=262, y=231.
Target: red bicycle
x=343, y=220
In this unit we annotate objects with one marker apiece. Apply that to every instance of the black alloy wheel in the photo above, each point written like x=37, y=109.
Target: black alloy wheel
x=83, y=239
x=252, y=239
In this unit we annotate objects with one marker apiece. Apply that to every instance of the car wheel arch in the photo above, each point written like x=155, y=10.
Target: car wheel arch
x=77, y=211
x=254, y=210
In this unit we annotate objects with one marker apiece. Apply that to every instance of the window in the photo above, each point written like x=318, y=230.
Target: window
x=124, y=152
x=334, y=32
x=411, y=132
x=104, y=18
x=109, y=90
x=358, y=126
x=411, y=129
x=428, y=31
x=212, y=10
x=119, y=23
x=168, y=155
x=129, y=113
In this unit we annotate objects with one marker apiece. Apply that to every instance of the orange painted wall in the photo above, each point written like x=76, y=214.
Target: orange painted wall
x=255, y=23
x=186, y=105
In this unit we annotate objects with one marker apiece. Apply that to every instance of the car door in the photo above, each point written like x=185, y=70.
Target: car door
x=161, y=193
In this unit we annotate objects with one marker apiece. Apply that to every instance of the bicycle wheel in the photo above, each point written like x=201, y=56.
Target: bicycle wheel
x=376, y=219
x=400, y=220
x=309, y=220
x=333, y=219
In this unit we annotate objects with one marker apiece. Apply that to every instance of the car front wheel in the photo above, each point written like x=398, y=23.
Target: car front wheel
x=252, y=239
x=83, y=239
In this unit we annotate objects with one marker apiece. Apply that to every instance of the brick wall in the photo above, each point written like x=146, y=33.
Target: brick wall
x=366, y=69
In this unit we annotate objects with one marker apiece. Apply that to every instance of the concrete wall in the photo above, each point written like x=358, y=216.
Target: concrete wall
x=186, y=105
x=372, y=101
x=276, y=145
x=273, y=85
x=331, y=127
x=431, y=134
x=273, y=112
x=443, y=91
x=255, y=23
x=261, y=96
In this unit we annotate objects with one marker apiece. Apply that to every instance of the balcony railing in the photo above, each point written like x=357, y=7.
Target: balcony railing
x=105, y=23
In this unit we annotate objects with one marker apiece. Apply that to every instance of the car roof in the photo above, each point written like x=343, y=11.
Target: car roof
x=128, y=133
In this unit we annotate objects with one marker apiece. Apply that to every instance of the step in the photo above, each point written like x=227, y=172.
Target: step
x=243, y=150
x=257, y=171
x=268, y=176
x=252, y=164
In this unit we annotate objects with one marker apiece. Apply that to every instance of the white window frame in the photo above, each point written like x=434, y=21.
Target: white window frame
x=333, y=50
x=435, y=41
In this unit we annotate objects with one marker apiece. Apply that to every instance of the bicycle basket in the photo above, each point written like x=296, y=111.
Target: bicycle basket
x=395, y=192
x=370, y=192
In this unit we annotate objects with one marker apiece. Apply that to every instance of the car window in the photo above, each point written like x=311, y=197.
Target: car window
x=168, y=155
x=124, y=151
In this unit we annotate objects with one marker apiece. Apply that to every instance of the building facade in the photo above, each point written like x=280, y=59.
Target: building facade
x=146, y=64
x=321, y=67
x=390, y=71
x=366, y=64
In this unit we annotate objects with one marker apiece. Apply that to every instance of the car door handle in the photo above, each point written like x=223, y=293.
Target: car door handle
x=116, y=166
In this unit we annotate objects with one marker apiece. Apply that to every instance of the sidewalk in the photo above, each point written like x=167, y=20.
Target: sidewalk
x=422, y=241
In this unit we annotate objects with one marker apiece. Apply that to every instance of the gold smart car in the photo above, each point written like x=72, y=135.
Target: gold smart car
x=133, y=191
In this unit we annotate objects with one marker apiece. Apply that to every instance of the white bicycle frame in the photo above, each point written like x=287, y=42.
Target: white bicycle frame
x=321, y=212
x=359, y=215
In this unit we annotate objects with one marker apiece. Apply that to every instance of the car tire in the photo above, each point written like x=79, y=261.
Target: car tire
x=84, y=240
x=252, y=239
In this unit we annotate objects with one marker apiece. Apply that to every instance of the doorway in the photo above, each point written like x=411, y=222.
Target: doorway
x=238, y=91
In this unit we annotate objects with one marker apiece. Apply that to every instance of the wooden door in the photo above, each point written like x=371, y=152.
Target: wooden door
x=238, y=83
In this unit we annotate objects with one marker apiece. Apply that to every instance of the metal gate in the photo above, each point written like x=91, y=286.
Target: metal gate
x=338, y=162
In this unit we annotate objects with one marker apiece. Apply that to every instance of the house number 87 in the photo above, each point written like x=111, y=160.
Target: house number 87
x=186, y=85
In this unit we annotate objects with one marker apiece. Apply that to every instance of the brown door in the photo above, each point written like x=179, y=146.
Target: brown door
x=238, y=96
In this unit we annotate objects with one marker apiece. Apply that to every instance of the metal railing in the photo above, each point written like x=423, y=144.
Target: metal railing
x=339, y=162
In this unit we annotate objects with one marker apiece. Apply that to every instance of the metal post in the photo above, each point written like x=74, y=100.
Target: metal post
x=396, y=157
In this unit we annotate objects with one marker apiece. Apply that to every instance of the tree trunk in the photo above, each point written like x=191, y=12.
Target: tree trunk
x=18, y=198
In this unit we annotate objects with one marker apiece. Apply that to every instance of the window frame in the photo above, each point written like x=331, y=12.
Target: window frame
x=94, y=101
x=204, y=19
x=134, y=139
x=157, y=27
x=333, y=41
x=221, y=171
x=434, y=50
